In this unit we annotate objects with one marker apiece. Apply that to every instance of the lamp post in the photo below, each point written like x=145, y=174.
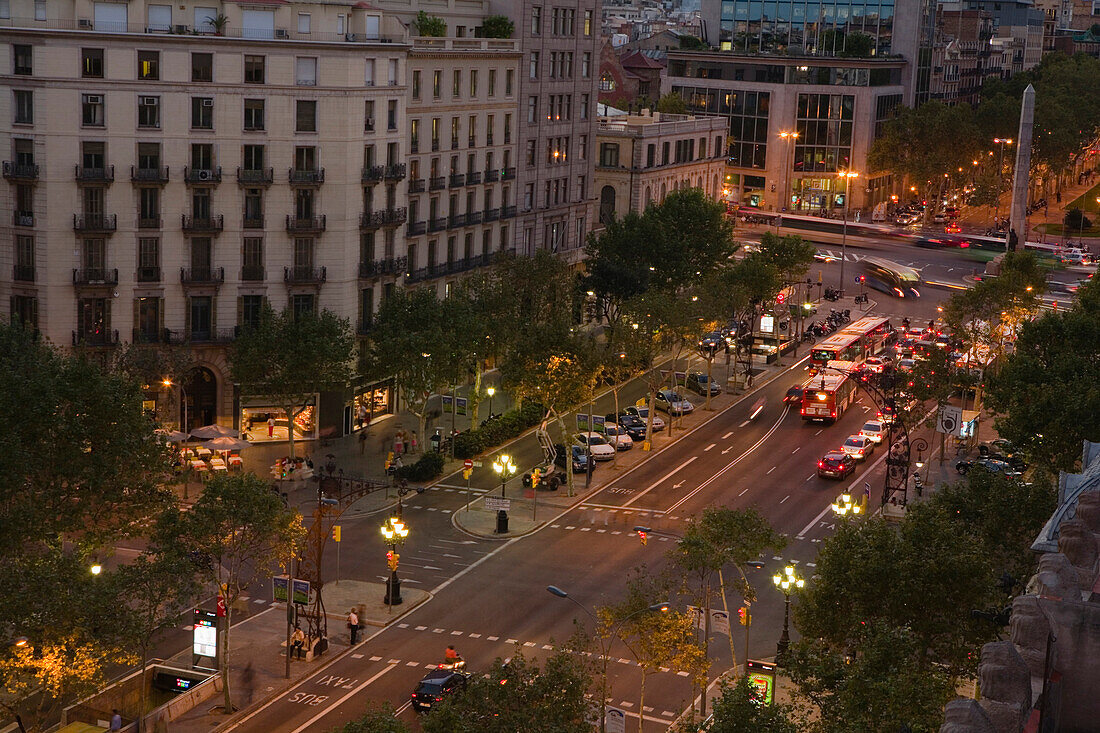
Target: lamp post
x=183, y=393
x=845, y=507
x=848, y=176
x=394, y=531
x=490, y=391
x=788, y=138
x=920, y=445
x=506, y=469
x=1002, y=141
x=786, y=582
x=605, y=643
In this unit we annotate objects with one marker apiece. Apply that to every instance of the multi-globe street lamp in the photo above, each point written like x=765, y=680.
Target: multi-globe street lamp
x=845, y=506
x=394, y=531
x=605, y=641
x=506, y=469
x=786, y=581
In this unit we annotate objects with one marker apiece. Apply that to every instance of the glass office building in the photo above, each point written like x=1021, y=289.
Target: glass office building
x=801, y=27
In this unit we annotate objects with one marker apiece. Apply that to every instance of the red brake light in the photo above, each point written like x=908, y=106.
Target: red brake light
x=821, y=464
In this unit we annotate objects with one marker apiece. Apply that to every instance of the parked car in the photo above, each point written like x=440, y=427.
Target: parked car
x=992, y=465
x=598, y=447
x=578, y=459
x=858, y=447
x=672, y=402
x=632, y=424
x=698, y=382
x=642, y=411
x=712, y=341
x=617, y=436
x=835, y=464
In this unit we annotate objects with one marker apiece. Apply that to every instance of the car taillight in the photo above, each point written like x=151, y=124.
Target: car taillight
x=821, y=464
x=832, y=413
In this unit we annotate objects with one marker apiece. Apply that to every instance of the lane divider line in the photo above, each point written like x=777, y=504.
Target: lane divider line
x=658, y=482
x=362, y=686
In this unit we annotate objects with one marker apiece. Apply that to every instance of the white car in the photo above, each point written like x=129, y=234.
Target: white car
x=672, y=402
x=876, y=363
x=875, y=430
x=617, y=437
x=599, y=448
x=858, y=447
x=642, y=411
x=906, y=365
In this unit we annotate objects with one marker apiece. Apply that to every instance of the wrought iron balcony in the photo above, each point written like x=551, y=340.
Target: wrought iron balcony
x=95, y=276
x=473, y=178
x=436, y=183
x=85, y=174
x=306, y=177
x=157, y=336
x=443, y=269
x=159, y=174
x=95, y=223
x=456, y=220
x=491, y=215
x=102, y=337
x=252, y=272
x=149, y=222
x=417, y=227
x=394, y=216
x=202, y=275
x=148, y=274
x=202, y=225
x=254, y=222
x=507, y=212
x=438, y=224
x=379, y=268
x=509, y=173
x=395, y=171
x=457, y=179
x=255, y=176
x=305, y=224
x=202, y=175
x=374, y=173
x=23, y=273
x=20, y=172
x=22, y=218
x=492, y=176
x=304, y=275
x=473, y=217
x=203, y=336
x=416, y=185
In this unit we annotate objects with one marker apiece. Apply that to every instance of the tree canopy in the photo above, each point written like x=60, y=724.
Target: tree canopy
x=497, y=26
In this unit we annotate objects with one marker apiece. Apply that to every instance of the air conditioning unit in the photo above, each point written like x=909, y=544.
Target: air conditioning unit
x=84, y=23
x=149, y=101
x=93, y=99
x=203, y=175
x=180, y=29
x=208, y=103
x=282, y=33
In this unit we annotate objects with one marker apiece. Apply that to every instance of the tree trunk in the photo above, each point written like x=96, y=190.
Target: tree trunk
x=144, y=686
x=641, y=703
x=291, y=414
x=228, y=702
x=568, y=454
x=475, y=395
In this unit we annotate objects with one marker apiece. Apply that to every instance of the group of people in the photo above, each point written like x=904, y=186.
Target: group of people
x=404, y=443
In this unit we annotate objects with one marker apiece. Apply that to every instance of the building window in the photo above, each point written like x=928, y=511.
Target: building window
x=148, y=112
x=23, y=60
x=584, y=106
x=437, y=84
x=456, y=84
x=202, y=67
x=532, y=108
x=825, y=132
x=650, y=155
x=252, y=158
x=305, y=71
x=587, y=23
x=253, y=114
x=391, y=115
x=536, y=20
x=473, y=83
x=586, y=62
x=24, y=311
x=252, y=258
x=391, y=76
x=303, y=22
x=414, y=136
x=39, y=9
x=534, y=65
x=91, y=63
x=416, y=84
x=252, y=308
x=24, y=106
x=305, y=116
x=607, y=83
x=492, y=83
x=509, y=81
x=254, y=70
x=202, y=156
x=202, y=113
x=148, y=65
x=24, y=259
x=149, y=208
x=253, y=208
x=368, y=75
x=368, y=116
x=148, y=259
x=92, y=110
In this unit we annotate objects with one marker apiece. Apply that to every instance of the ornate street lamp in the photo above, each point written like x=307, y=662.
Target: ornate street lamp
x=394, y=531
x=786, y=581
x=506, y=469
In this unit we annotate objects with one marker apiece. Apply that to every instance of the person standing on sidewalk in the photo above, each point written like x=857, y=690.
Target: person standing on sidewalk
x=405, y=442
x=415, y=445
x=270, y=426
x=353, y=626
x=398, y=443
x=248, y=677
x=116, y=720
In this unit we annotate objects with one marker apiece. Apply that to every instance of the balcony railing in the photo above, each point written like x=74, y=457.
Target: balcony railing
x=492, y=176
x=202, y=275
x=394, y=216
x=305, y=224
x=22, y=218
x=85, y=174
x=202, y=175
x=103, y=337
x=509, y=173
x=443, y=269
x=417, y=227
x=88, y=223
x=395, y=171
x=456, y=220
x=149, y=222
x=202, y=336
x=255, y=176
x=148, y=274
x=457, y=179
x=252, y=222
x=416, y=185
x=379, y=268
x=304, y=275
x=491, y=215
x=306, y=177
x=473, y=178
x=473, y=217
x=438, y=224
x=252, y=273
x=507, y=212
x=158, y=336
x=23, y=273
x=436, y=183
x=374, y=173
x=196, y=224
x=158, y=174
x=95, y=276
x=20, y=171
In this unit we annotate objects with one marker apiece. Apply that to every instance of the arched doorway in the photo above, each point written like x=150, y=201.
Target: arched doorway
x=607, y=205
x=201, y=399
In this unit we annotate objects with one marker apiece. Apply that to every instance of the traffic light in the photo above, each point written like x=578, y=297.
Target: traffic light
x=392, y=558
x=466, y=473
x=743, y=615
x=643, y=536
x=535, y=477
x=336, y=533
x=862, y=279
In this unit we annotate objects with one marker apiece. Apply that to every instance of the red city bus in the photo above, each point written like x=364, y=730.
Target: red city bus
x=826, y=396
x=855, y=342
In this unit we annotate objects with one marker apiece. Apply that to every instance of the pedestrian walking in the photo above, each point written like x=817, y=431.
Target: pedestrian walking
x=398, y=443
x=116, y=720
x=405, y=441
x=415, y=444
x=248, y=677
x=270, y=426
x=353, y=626
x=362, y=441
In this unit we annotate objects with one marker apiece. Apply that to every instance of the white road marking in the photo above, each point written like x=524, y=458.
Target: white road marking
x=788, y=496
x=795, y=449
x=816, y=519
x=770, y=470
x=810, y=477
x=819, y=431
x=742, y=492
x=309, y=723
x=741, y=425
x=709, y=447
x=659, y=481
x=727, y=435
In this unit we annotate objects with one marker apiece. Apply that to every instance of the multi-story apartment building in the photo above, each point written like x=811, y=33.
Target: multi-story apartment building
x=462, y=141
x=173, y=168
x=643, y=158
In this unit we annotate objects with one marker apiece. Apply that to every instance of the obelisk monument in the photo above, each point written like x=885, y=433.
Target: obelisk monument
x=1017, y=227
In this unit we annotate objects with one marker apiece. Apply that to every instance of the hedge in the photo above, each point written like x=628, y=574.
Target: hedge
x=498, y=430
x=428, y=467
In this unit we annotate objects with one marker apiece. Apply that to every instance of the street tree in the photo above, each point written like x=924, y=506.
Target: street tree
x=290, y=357
x=517, y=695
x=737, y=293
x=883, y=681
x=234, y=535
x=429, y=25
x=1045, y=395
x=790, y=255
x=671, y=104
x=690, y=236
x=473, y=312
x=151, y=365
x=739, y=709
x=497, y=26
x=616, y=269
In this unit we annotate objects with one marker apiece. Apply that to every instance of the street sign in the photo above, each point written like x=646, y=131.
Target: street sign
x=949, y=420
x=468, y=463
x=615, y=721
x=278, y=588
x=496, y=504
